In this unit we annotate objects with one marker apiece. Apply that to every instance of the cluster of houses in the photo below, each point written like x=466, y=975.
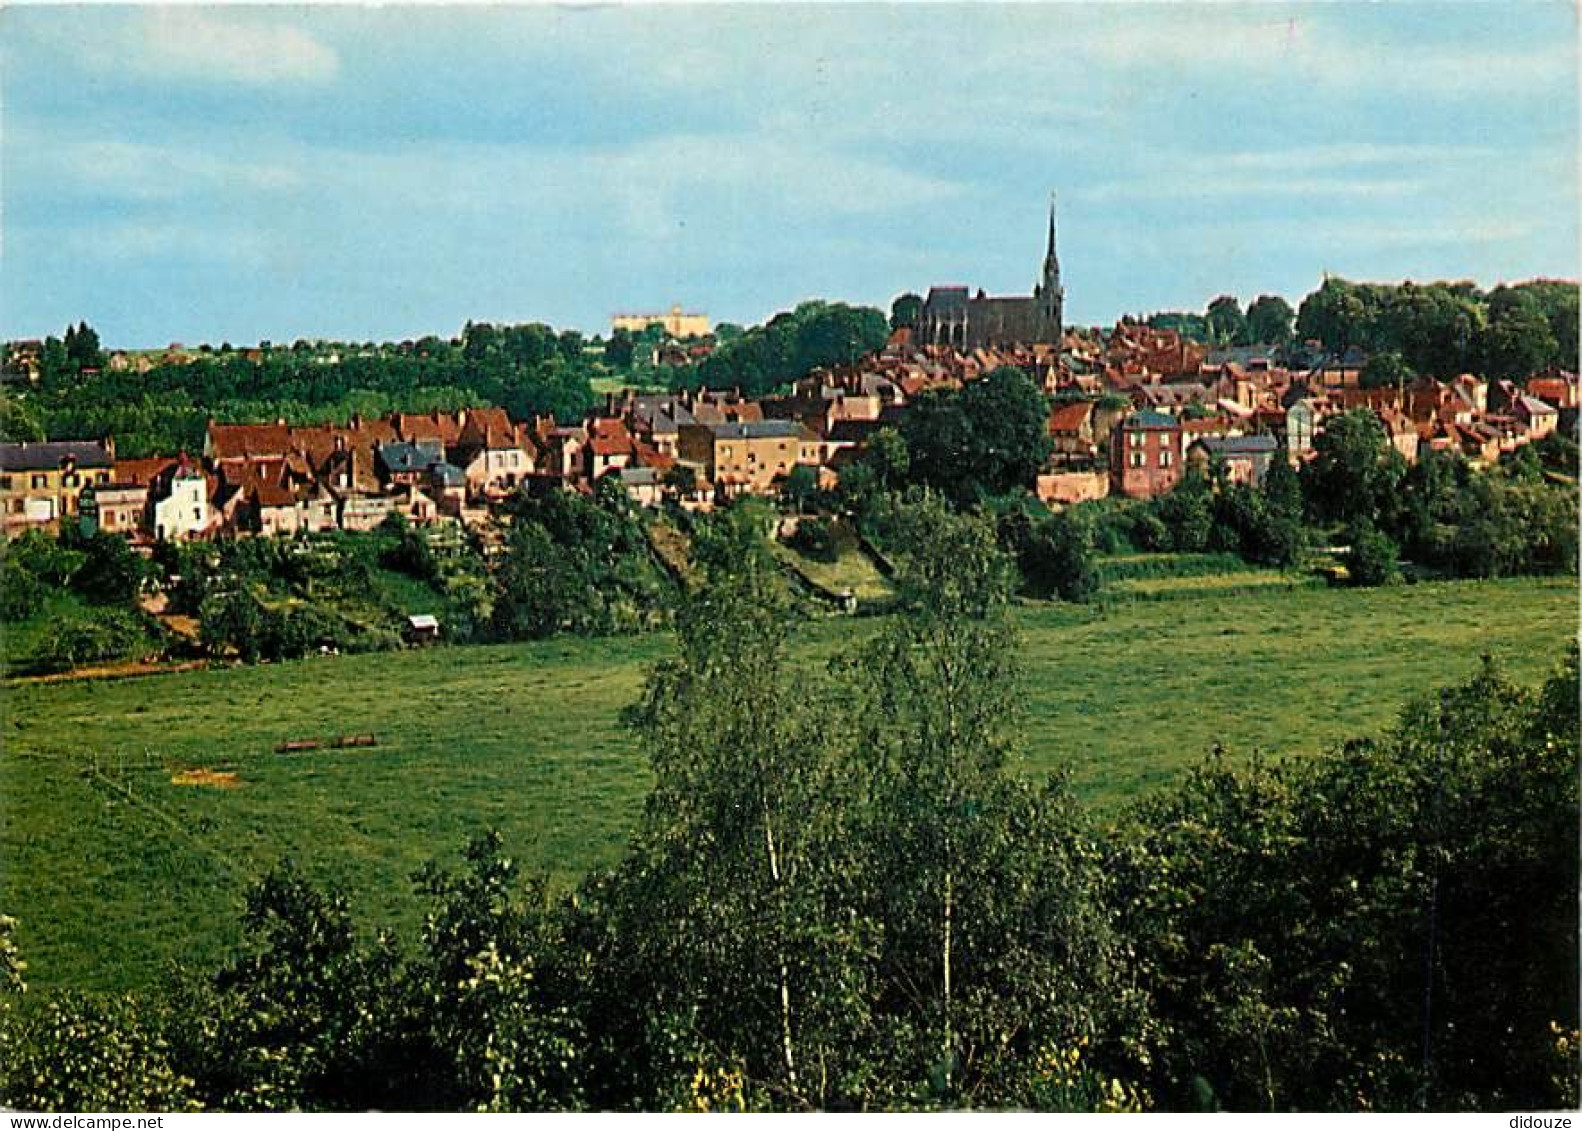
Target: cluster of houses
x=1131, y=412
x=1238, y=409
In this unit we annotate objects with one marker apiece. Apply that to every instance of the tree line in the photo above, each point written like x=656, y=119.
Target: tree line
x=768, y=358
x=528, y=369
x=842, y=895
x=1404, y=330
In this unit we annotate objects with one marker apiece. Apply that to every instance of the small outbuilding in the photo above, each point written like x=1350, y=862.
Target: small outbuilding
x=422, y=628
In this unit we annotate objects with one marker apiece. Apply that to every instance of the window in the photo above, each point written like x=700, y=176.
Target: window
x=1164, y=458
x=1136, y=439
x=103, y=477
x=1137, y=459
x=40, y=482
x=69, y=479
x=5, y=483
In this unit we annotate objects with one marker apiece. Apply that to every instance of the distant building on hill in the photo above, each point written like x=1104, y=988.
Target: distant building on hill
x=677, y=323
x=952, y=317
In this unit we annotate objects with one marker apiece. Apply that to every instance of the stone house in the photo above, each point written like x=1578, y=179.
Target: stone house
x=745, y=457
x=1245, y=459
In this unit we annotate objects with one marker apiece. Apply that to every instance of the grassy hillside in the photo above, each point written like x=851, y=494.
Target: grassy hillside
x=114, y=869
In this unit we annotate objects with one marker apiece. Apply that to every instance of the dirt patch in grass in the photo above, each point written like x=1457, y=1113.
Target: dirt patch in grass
x=213, y=779
x=130, y=669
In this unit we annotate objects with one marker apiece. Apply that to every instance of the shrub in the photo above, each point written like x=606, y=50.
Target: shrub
x=21, y=594
x=1372, y=558
x=816, y=538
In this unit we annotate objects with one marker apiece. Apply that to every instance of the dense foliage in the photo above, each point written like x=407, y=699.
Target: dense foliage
x=788, y=347
x=842, y=895
x=526, y=369
x=989, y=437
x=1440, y=514
x=1443, y=329
x=1406, y=329
x=577, y=565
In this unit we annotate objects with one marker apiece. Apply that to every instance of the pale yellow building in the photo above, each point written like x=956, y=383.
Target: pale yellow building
x=677, y=323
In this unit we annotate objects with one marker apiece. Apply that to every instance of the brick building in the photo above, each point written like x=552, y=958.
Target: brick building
x=1146, y=455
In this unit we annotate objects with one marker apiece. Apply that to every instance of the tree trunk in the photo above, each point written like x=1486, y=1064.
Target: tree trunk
x=950, y=1036
x=787, y=1048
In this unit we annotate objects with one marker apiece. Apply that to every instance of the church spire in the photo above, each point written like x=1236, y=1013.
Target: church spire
x=1051, y=259
x=1051, y=296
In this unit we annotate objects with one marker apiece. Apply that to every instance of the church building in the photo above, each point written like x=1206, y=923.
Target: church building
x=952, y=317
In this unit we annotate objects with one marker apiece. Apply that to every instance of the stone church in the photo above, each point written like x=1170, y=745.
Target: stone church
x=952, y=317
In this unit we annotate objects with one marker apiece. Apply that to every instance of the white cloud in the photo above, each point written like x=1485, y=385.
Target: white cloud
x=1353, y=155
x=1362, y=235
x=1230, y=184
x=206, y=44
x=132, y=171
x=1264, y=42
x=643, y=189
x=143, y=243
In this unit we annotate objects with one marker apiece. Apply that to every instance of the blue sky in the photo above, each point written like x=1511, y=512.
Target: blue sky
x=199, y=174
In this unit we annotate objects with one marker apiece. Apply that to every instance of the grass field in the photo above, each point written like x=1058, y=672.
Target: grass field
x=113, y=869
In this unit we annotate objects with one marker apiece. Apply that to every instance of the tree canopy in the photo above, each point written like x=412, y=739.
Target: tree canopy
x=987, y=438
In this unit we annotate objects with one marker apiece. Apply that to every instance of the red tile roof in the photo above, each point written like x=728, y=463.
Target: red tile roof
x=1071, y=417
x=238, y=441
x=140, y=472
x=271, y=495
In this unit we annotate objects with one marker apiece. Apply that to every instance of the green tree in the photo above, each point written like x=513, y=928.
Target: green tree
x=1227, y=325
x=1371, y=560
x=1336, y=314
x=800, y=488
x=886, y=452
x=1338, y=933
x=1354, y=473
x=905, y=310
x=112, y=573
x=1187, y=514
x=19, y=420
x=993, y=949
x=620, y=349
x=1519, y=341
x=494, y=1012
x=81, y=1052
x=1054, y=554
x=988, y=438
x=1386, y=370
x=82, y=347
x=1270, y=320
x=1280, y=538
x=719, y=917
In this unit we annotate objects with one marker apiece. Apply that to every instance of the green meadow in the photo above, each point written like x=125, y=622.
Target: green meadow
x=114, y=870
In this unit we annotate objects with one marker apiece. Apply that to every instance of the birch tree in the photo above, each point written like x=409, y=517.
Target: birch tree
x=726, y=886
x=994, y=940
